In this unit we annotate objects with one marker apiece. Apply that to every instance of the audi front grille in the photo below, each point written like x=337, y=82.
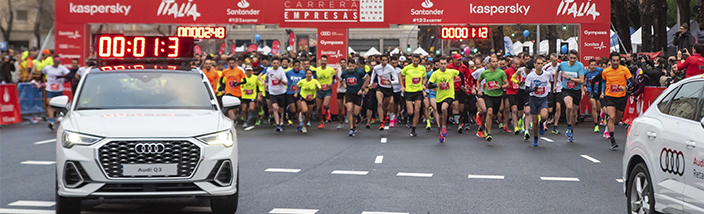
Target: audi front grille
x=114, y=154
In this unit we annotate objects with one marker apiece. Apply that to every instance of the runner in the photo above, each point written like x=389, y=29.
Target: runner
x=593, y=90
x=538, y=83
x=383, y=76
x=430, y=104
x=616, y=78
x=471, y=104
x=458, y=104
x=341, y=94
x=230, y=83
x=350, y=80
x=443, y=80
x=413, y=81
x=496, y=81
x=523, y=96
x=54, y=85
x=324, y=75
x=481, y=104
x=307, y=89
x=294, y=105
x=572, y=75
x=511, y=107
x=398, y=102
x=555, y=99
x=249, y=87
x=276, y=86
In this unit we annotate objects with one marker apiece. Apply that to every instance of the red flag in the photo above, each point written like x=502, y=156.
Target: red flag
x=233, y=49
x=291, y=40
x=197, y=49
x=275, y=46
x=252, y=48
x=222, y=48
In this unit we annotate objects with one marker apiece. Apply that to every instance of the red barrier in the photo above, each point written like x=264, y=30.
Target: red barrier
x=9, y=105
x=636, y=107
x=67, y=91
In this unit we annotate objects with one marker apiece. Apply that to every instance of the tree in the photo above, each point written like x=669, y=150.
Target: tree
x=685, y=10
x=660, y=25
x=551, y=36
x=44, y=19
x=497, y=36
x=8, y=16
x=621, y=22
x=646, y=21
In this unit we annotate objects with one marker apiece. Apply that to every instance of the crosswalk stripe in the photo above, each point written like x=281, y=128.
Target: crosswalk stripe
x=379, y=159
x=31, y=162
x=348, y=172
x=24, y=211
x=282, y=170
x=412, y=174
x=44, y=141
x=559, y=179
x=591, y=158
x=497, y=177
x=547, y=139
x=383, y=140
x=293, y=211
x=32, y=203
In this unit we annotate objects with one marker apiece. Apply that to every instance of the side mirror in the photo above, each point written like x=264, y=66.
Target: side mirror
x=59, y=102
x=230, y=101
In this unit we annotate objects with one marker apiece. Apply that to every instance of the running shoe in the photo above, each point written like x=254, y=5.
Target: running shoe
x=460, y=127
x=606, y=135
x=278, y=128
x=467, y=126
x=373, y=120
x=51, y=126
x=299, y=129
x=308, y=124
x=452, y=120
x=304, y=130
x=290, y=122
x=542, y=128
x=368, y=126
x=442, y=139
x=327, y=116
x=249, y=128
x=520, y=123
x=602, y=122
x=535, y=142
x=428, y=127
x=555, y=131
x=568, y=133
x=488, y=137
x=259, y=122
x=244, y=126
x=339, y=126
x=444, y=132
x=321, y=126
x=596, y=129
x=392, y=123
x=381, y=127
x=571, y=139
x=479, y=120
x=506, y=129
x=481, y=134
x=614, y=145
x=516, y=130
x=413, y=133
x=501, y=125
x=526, y=136
x=351, y=133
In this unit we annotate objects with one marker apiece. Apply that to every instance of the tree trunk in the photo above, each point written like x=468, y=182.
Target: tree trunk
x=620, y=20
x=646, y=22
x=700, y=16
x=685, y=13
x=660, y=26
x=497, y=35
x=551, y=36
x=38, y=22
x=10, y=19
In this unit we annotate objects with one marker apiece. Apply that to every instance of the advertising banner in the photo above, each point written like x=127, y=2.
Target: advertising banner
x=70, y=40
x=594, y=42
x=333, y=43
x=9, y=105
x=275, y=47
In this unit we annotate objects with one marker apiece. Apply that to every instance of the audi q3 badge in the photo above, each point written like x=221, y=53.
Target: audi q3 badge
x=672, y=161
x=149, y=148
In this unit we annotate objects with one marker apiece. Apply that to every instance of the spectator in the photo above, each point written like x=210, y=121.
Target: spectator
x=683, y=38
x=6, y=67
x=694, y=64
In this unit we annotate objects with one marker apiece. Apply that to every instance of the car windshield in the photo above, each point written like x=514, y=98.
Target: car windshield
x=143, y=90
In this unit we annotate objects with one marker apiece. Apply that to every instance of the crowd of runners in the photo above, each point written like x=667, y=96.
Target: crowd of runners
x=526, y=95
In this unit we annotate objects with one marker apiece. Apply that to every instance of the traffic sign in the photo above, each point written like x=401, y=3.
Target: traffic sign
x=3, y=46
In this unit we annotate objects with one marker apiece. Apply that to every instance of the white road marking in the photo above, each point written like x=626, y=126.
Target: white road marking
x=412, y=174
x=196, y=209
x=118, y=206
x=348, y=172
x=547, y=139
x=370, y=212
x=33, y=203
x=379, y=159
x=31, y=162
x=497, y=177
x=591, y=158
x=386, y=128
x=293, y=211
x=45, y=141
x=282, y=170
x=23, y=211
x=559, y=179
x=383, y=140
x=619, y=180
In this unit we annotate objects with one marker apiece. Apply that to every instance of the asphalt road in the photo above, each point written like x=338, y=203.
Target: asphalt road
x=376, y=171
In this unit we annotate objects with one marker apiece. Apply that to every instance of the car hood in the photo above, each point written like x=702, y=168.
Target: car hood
x=146, y=123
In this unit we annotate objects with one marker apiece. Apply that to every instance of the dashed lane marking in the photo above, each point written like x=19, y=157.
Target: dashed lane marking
x=370, y=212
x=386, y=128
x=496, y=177
x=559, y=179
x=547, y=139
x=349, y=172
x=32, y=203
x=383, y=140
x=23, y=211
x=379, y=159
x=31, y=162
x=44, y=141
x=293, y=211
x=412, y=174
x=619, y=180
x=591, y=158
x=282, y=170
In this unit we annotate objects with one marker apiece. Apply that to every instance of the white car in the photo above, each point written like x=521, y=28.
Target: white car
x=663, y=163
x=132, y=132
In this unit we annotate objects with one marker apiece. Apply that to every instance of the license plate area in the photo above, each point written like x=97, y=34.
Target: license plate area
x=149, y=169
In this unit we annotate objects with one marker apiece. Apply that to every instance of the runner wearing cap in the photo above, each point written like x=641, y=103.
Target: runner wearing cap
x=458, y=104
x=249, y=85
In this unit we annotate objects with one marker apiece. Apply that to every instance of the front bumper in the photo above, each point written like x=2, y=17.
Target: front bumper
x=97, y=184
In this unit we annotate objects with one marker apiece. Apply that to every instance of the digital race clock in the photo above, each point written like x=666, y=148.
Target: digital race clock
x=119, y=46
x=464, y=32
x=201, y=32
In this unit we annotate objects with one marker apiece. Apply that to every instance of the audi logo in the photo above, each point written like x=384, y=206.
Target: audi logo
x=149, y=148
x=672, y=161
x=325, y=33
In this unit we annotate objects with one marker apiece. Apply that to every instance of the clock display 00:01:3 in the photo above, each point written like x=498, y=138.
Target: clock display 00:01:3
x=119, y=46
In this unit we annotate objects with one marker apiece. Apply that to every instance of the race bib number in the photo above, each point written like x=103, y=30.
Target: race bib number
x=515, y=86
x=614, y=88
x=416, y=80
x=493, y=85
x=540, y=91
x=571, y=84
x=325, y=87
x=54, y=87
x=444, y=86
x=457, y=79
x=275, y=82
x=352, y=81
x=248, y=91
x=385, y=80
x=309, y=97
x=294, y=88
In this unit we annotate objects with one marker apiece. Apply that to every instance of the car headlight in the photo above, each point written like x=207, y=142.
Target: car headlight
x=72, y=138
x=220, y=138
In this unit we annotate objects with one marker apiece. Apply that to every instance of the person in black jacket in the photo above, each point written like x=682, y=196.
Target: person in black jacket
x=683, y=38
x=6, y=67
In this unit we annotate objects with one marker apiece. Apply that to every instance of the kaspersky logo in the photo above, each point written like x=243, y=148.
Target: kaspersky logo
x=426, y=4
x=243, y=4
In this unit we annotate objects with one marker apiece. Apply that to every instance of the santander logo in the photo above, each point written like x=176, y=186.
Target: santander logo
x=596, y=46
x=243, y=4
x=70, y=34
x=6, y=96
x=426, y=4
